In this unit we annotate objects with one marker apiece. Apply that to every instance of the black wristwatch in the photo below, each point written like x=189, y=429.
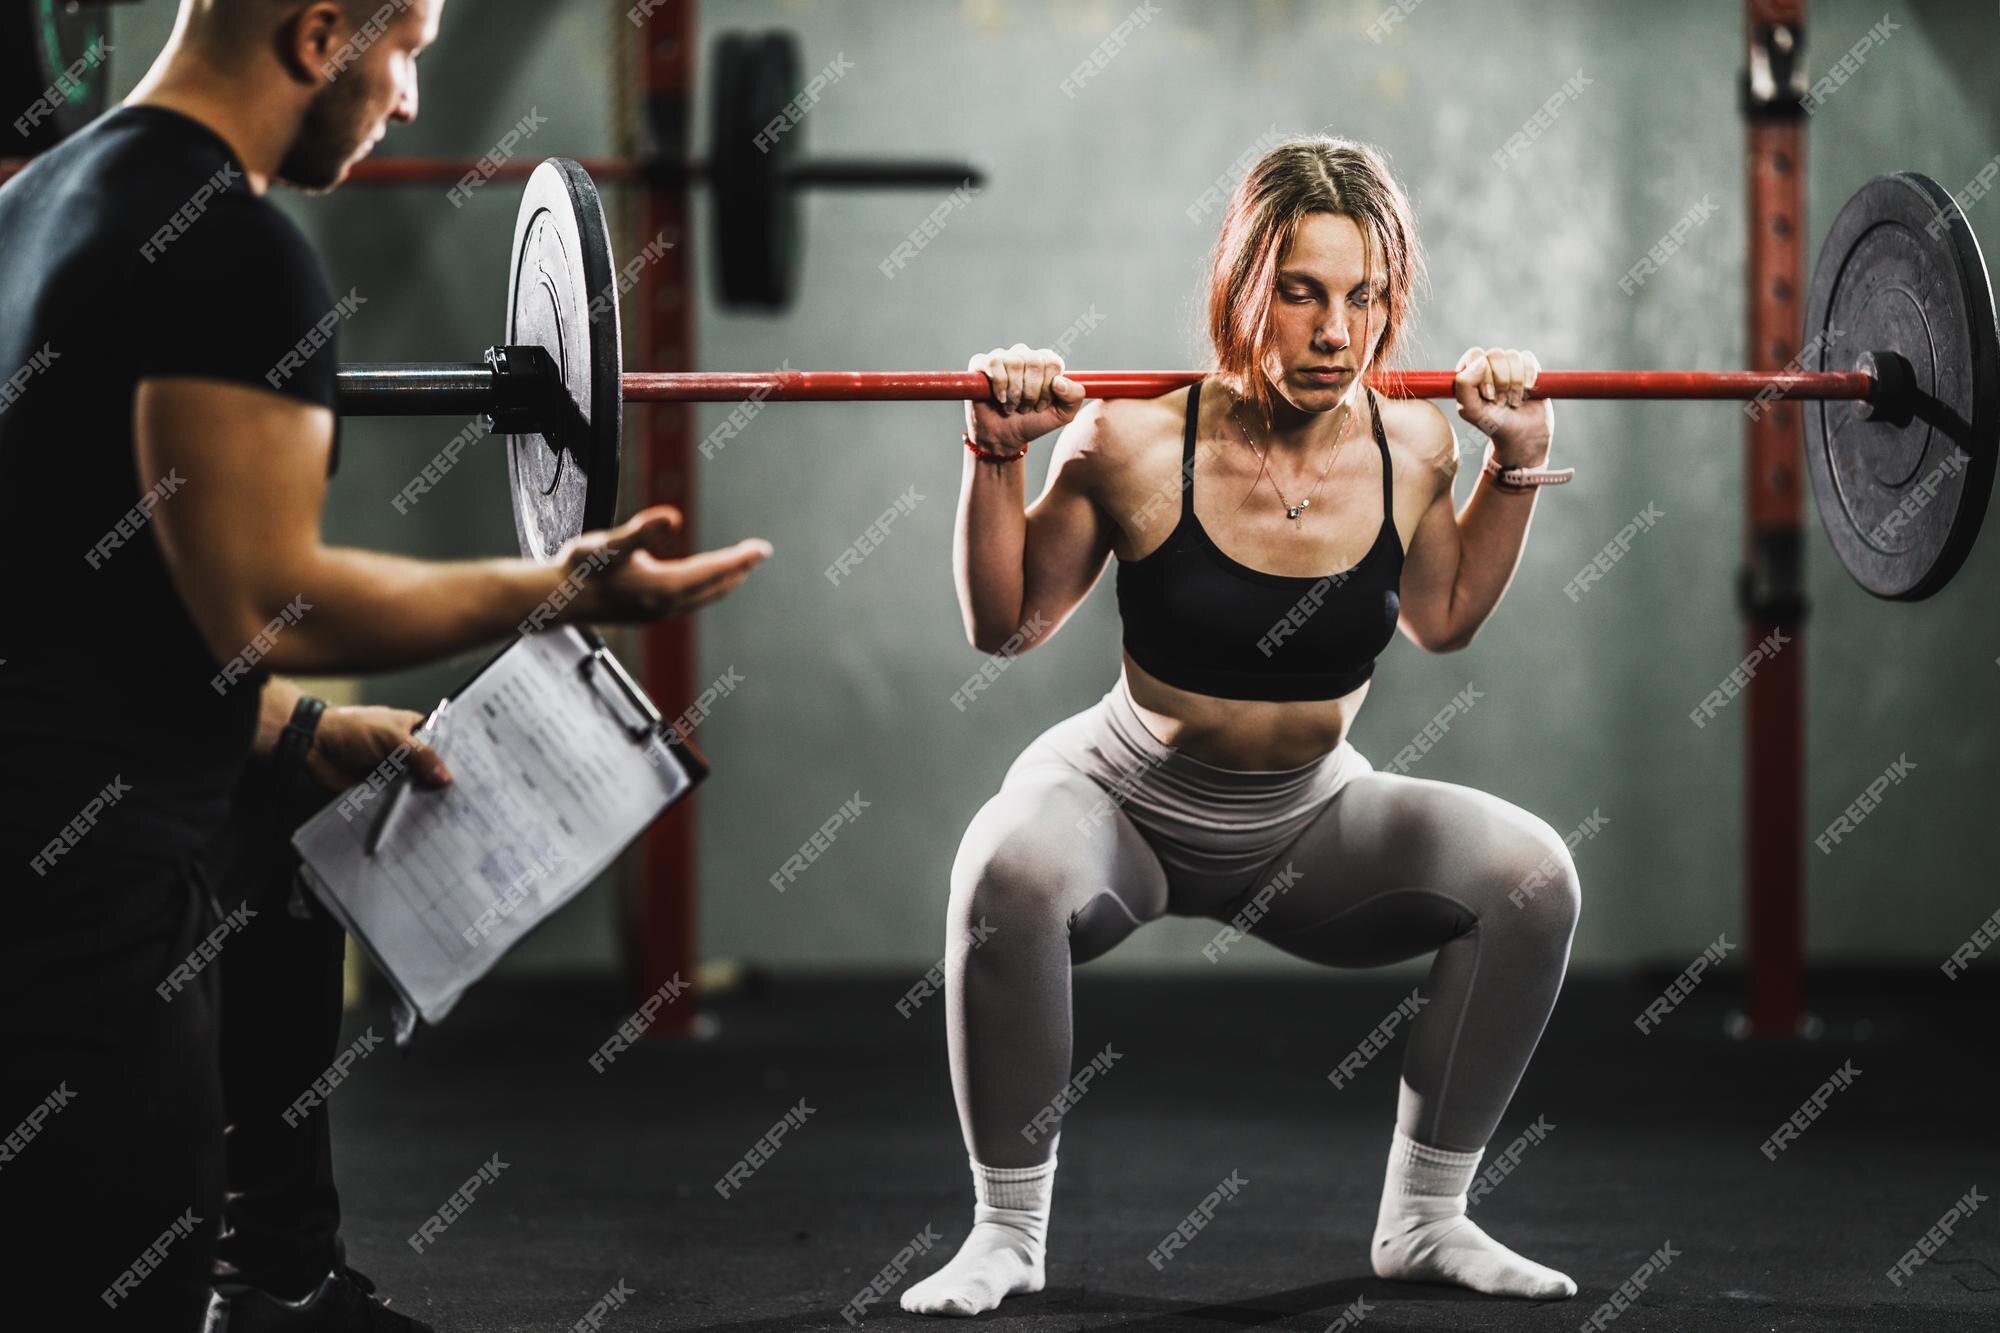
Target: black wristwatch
x=296, y=740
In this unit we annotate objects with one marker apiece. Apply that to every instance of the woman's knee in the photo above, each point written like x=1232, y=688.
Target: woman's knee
x=1542, y=884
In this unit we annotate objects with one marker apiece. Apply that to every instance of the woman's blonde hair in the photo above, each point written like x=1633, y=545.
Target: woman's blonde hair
x=1301, y=176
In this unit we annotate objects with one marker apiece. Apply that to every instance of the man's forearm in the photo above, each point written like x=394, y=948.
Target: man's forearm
x=359, y=611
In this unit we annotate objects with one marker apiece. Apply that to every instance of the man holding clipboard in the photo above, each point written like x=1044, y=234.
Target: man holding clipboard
x=136, y=688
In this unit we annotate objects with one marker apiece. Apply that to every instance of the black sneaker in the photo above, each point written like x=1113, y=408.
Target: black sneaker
x=344, y=1302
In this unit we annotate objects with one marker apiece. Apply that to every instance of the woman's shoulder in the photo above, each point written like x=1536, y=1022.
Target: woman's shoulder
x=1419, y=435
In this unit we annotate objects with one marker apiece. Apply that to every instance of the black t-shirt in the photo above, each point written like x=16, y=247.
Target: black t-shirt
x=133, y=249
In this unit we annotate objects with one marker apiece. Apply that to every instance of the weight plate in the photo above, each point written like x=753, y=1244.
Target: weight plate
x=41, y=43
x=1902, y=501
x=566, y=481
x=753, y=142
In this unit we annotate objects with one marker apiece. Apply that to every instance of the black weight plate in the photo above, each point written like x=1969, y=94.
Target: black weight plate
x=756, y=214
x=1901, y=271
x=40, y=42
x=566, y=482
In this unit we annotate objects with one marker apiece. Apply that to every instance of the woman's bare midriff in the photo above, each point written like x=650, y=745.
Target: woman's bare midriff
x=1142, y=499
x=1252, y=735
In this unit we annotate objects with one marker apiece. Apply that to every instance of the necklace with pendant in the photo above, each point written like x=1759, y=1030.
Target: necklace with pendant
x=1294, y=512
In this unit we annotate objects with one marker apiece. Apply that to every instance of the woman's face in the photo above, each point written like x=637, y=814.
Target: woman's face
x=1326, y=314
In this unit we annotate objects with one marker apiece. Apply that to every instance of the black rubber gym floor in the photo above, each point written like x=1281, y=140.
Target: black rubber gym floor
x=1653, y=1141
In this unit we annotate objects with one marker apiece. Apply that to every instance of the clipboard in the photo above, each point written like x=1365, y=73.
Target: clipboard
x=560, y=762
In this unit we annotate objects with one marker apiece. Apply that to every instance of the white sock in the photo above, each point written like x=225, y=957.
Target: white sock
x=1002, y=1256
x=1423, y=1235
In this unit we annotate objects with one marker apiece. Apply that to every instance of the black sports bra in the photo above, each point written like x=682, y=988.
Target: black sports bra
x=1202, y=622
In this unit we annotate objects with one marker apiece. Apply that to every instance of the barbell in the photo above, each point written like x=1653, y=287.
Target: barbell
x=756, y=170
x=1899, y=375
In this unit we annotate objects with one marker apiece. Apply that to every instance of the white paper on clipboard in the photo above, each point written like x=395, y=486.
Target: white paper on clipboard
x=556, y=769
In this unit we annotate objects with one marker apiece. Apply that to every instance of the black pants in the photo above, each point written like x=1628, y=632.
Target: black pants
x=114, y=1096
x=280, y=1028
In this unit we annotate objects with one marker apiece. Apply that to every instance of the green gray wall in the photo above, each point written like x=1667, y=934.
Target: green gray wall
x=1583, y=703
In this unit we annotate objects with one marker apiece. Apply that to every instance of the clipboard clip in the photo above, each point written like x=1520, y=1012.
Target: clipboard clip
x=601, y=657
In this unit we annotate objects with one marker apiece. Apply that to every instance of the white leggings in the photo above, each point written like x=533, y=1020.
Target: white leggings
x=1099, y=827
